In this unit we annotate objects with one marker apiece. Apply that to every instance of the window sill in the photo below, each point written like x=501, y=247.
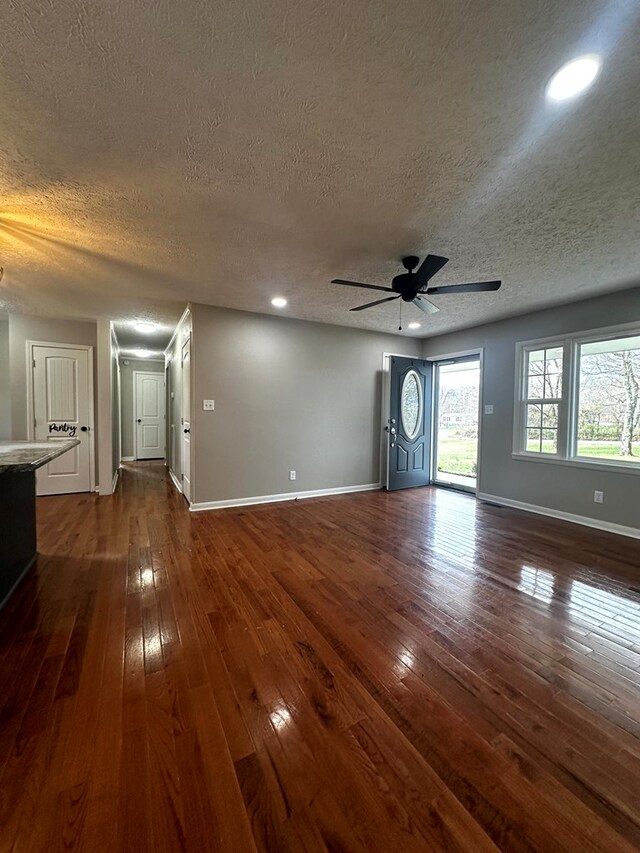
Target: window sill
x=592, y=465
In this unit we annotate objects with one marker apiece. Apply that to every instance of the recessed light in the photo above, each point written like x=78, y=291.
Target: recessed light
x=278, y=302
x=142, y=353
x=145, y=327
x=414, y=325
x=573, y=78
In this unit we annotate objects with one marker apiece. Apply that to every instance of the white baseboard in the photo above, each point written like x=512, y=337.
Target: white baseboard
x=127, y=458
x=289, y=496
x=114, y=482
x=175, y=481
x=596, y=523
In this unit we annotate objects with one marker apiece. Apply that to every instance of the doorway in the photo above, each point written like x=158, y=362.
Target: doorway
x=149, y=409
x=456, y=422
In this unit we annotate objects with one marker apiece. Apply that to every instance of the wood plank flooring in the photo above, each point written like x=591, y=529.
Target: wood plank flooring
x=372, y=672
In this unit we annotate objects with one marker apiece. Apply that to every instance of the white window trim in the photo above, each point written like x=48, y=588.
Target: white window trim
x=568, y=407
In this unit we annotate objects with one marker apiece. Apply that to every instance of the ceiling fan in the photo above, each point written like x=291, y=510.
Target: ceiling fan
x=412, y=286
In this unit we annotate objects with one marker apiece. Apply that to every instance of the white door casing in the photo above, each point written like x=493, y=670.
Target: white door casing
x=186, y=419
x=60, y=407
x=149, y=415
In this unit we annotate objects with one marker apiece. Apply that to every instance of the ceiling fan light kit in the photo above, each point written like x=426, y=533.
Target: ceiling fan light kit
x=413, y=286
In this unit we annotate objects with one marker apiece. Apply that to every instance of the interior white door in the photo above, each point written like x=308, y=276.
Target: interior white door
x=62, y=404
x=186, y=419
x=149, y=404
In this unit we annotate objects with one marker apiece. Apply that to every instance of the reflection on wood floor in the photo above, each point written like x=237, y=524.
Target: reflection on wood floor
x=375, y=672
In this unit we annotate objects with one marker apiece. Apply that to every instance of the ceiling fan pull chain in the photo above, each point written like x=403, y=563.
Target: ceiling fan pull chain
x=400, y=326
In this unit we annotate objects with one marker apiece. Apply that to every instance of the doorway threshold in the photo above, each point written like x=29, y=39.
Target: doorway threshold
x=457, y=481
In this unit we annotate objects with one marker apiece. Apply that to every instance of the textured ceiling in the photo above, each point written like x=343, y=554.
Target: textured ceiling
x=131, y=341
x=154, y=153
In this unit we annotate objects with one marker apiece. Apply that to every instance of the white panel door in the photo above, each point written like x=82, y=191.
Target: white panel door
x=149, y=413
x=186, y=419
x=62, y=401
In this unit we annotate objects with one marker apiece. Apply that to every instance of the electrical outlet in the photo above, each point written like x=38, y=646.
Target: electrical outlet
x=292, y=475
x=598, y=497
x=488, y=410
x=208, y=405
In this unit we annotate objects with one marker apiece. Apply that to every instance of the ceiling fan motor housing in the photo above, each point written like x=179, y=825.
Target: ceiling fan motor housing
x=405, y=286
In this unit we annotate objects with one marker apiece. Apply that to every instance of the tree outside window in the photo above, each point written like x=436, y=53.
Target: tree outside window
x=579, y=399
x=608, y=424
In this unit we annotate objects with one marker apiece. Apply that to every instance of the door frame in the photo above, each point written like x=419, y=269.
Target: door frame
x=187, y=340
x=168, y=449
x=135, y=409
x=477, y=352
x=31, y=401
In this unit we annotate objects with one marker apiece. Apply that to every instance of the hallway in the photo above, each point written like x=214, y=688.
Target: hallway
x=374, y=672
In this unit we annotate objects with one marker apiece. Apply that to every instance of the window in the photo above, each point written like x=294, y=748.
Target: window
x=411, y=405
x=579, y=399
x=608, y=423
x=543, y=395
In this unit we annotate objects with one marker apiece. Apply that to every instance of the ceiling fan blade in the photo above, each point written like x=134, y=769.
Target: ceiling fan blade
x=428, y=268
x=472, y=287
x=377, y=302
x=425, y=305
x=361, y=284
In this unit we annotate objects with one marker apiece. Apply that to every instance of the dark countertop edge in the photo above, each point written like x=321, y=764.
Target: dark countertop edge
x=58, y=448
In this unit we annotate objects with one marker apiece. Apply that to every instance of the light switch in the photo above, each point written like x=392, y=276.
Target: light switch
x=488, y=410
x=208, y=405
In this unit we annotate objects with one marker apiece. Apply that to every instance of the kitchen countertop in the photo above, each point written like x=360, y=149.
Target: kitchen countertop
x=20, y=456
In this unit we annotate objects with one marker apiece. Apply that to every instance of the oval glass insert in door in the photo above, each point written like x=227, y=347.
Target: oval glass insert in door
x=411, y=405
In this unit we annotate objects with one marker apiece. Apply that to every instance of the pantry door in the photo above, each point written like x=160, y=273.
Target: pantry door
x=61, y=409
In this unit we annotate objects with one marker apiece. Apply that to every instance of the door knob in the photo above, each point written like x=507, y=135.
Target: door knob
x=187, y=430
x=139, y=420
x=83, y=429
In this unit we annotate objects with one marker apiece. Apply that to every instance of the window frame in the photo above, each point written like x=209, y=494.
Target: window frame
x=526, y=401
x=568, y=406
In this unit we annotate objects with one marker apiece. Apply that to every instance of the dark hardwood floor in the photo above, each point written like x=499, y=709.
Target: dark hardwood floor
x=376, y=672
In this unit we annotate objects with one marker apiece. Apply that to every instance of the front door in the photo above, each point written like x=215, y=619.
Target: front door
x=186, y=419
x=409, y=427
x=62, y=409
x=149, y=409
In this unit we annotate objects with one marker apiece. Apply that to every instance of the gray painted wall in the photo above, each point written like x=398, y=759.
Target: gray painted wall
x=559, y=487
x=288, y=395
x=126, y=395
x=5, y=383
